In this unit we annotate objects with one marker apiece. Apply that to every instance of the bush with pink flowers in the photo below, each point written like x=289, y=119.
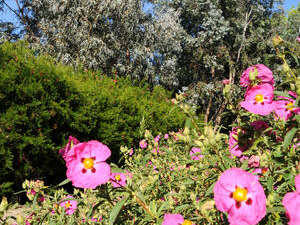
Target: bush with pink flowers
x=196, y=175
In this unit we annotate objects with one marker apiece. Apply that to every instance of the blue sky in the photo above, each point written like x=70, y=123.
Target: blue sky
x=7, y=15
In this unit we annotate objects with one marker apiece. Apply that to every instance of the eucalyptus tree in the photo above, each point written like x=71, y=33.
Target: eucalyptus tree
x=219, y=34
x=222, y=38
x=117, y=37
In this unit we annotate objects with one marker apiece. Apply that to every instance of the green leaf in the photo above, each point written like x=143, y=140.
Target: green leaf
x=288, y=137
x=280, y=93
x=116, y=210
x=19, y=192
x=63, y=182
x=210, y=190
x=297, y=117
x=162, y=207
x=90, y=213
x=188, y=123
x=117, y=170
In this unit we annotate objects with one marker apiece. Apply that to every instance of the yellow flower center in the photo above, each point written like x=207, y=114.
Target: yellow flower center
x=118, y=177
x=290, y=106
x=240, y=194
x=88, y=163
x=68, y=204
x=259, y=98
x=187, y=222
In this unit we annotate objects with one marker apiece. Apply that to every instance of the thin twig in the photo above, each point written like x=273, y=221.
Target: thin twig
x=11, y=9
x=208, y=108
x=248, y=14
x=219, y=115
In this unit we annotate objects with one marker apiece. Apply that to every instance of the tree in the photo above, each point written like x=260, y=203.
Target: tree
x=117, y=37
x=194, y=43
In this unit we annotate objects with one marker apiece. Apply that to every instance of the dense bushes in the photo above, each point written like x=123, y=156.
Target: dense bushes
x=43, y=103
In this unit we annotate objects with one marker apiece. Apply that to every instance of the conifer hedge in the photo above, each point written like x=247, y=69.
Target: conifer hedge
x=43, y=102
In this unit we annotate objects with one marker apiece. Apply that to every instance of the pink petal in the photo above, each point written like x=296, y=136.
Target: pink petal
x=265, y=75
x=88, y=179
x=245, y=213
x=173, y=219
x=291, y=202
x=101, y=151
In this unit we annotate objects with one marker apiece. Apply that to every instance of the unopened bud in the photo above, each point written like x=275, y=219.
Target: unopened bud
x=20, y=219
x=285, y=67
x=277, y=40
x=253, y=74
x=226, y=90
x=4, y=204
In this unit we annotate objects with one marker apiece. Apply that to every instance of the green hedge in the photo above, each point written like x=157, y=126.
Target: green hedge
x=42, y=103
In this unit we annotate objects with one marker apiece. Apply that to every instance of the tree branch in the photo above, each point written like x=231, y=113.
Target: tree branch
x=248, y=14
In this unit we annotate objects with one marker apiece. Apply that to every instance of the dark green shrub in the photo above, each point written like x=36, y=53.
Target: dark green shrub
x=43, y=103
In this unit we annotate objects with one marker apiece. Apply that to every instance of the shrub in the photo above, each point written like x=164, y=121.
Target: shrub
x=196, y=175
x=42, y=103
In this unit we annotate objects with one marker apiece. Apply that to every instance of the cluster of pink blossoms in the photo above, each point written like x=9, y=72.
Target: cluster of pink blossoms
x=194, y=153
x=237, y=192
x=259, y=99
x=259, y=81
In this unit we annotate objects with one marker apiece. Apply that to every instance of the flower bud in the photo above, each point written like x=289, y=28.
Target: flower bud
x=226, y=90
x=20, y=219
x=285, y=67
x=4, y=204
x=253, y=74
x=277, y=40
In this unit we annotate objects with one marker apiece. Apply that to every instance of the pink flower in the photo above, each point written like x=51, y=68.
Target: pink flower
x=253, y=161
x=298, y=39
x=285, y=108
x=175, y=219
x=237, y=143
x=87, y=167
x=194, y=155
x=291, y=203
x=151, y=164
x=296, y=146
x=258, y=172
x=155, y=150
x=239, y=193
x=118, y=180
x=131, y=152
x=258, y=99
x=257, y=72
x=166, y=136
x=143, y=144
x=156, y=139
x=95, y=219
x=66, y=150
x=70, y=205
x=225, y=82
